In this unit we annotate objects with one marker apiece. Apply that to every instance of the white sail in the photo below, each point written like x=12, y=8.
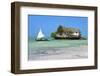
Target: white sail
x=40, y=34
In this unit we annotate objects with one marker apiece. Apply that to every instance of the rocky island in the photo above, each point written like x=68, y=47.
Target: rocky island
x=66, y=33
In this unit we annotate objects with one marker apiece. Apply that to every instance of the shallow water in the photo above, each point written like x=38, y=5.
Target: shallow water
x=57, y=49
x=56, y=43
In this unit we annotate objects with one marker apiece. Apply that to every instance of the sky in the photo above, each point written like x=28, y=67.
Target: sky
x=49, y=24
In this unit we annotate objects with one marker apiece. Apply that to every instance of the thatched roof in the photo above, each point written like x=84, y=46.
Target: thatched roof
x=71, y=29
x=62, y=29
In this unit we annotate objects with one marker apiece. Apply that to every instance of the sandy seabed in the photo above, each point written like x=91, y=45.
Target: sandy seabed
x=79, y=52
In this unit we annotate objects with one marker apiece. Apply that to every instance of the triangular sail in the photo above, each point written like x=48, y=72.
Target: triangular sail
x=40, y=34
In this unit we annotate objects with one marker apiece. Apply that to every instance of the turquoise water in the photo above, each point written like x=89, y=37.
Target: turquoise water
x=57, y=49
x=56, y=43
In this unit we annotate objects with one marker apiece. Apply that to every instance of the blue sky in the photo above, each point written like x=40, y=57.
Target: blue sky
x=50, y=24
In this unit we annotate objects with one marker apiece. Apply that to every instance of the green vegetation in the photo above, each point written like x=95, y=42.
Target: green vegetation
x=53, y=34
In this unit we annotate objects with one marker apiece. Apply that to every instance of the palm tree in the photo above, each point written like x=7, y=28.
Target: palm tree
x=60, y=29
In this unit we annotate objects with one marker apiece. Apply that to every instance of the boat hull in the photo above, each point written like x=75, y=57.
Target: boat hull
x=42, y=39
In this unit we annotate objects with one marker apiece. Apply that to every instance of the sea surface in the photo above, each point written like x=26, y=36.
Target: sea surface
x=57, y=49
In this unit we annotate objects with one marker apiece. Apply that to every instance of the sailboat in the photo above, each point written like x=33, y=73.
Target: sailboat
x=41, y=36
